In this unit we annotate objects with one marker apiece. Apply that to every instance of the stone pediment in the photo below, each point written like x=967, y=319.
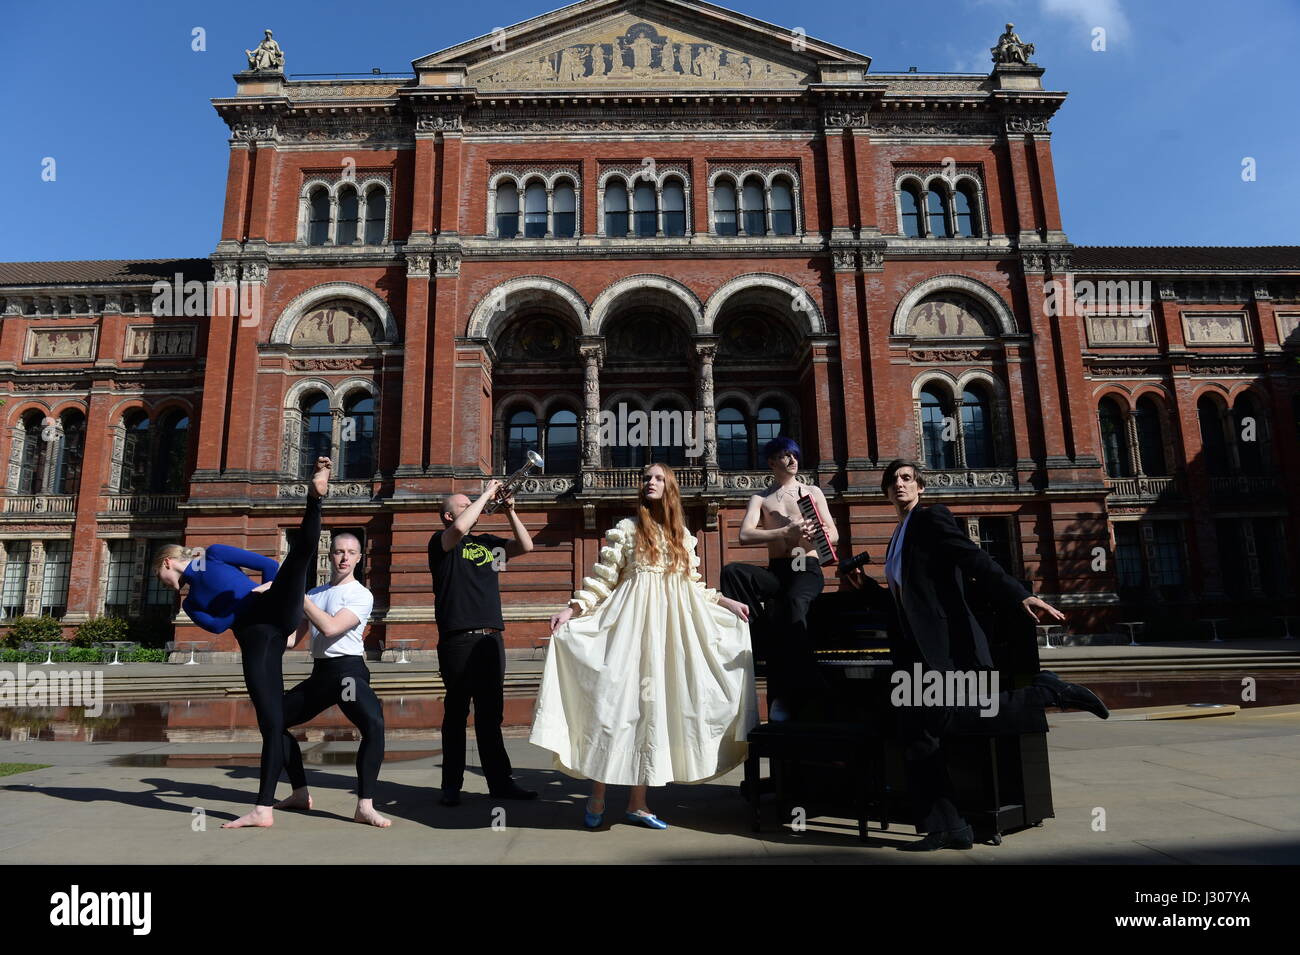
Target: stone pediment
x=628, y=44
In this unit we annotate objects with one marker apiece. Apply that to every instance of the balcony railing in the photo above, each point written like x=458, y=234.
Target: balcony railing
x=41, y=504
x=1142, y=488
x=157, y=505
x=1244, y=485
x=963, y=480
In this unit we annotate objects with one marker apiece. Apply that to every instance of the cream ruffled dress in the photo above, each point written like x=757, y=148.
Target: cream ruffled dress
x=653, y=682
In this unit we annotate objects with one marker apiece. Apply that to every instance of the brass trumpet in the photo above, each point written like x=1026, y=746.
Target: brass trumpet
x=534, y=461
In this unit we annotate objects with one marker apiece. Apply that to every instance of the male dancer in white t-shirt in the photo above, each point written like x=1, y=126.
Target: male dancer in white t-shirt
x=336, y=615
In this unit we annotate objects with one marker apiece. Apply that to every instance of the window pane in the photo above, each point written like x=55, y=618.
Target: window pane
x=521, y=437
x=566, y=219
x=318, y=229
x=911, y=214
x=1250, y=453
x=965, y=210
x=135, y=455
x=674, y=209
x=535, y=211
x=317, y=434
x=782, y=208
x=733, y=440
x=1212, y=438
x=1150, y=439
x=669, y=424
x=68, y=476
x=54, y=587
x=562, y=443
x=1168, y=554
x=771, y=424
x=358, y=438
x=755, y=208
x=939, y=454
x=995, y=538
x=977, y=436
x=938, y=221
x=724, y=209
x=1114, y=443
x=349, y=212
x=616, y=212
x=173, y=449
x=15, y=582
x=507, y=209
x=646, y=207
x=376, y=210
x=121, y=575
x=1128, y=556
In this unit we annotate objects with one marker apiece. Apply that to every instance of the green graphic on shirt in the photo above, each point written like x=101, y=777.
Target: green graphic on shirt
x=479, y=554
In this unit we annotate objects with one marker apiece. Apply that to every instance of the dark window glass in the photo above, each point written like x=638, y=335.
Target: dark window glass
x=317, y=433
x=965, y=208
x=535, y=211
x=937, y=218
x=1249, y=440
x=14, y=592
x=976, y=432
x=1270, y=548
x=566, y=219
x=647, y=210
x=135, y=454
x=521, y=437
x=1232, y=559
x=616, y=212
x=376, y=211
x=770, y=424
x=561, y=443
x=358, y=438
x=1150, y=438
x=1114, y=440
x=507, y=209
x=35, y=448
x=668, y=424
x=1167, y=547
x=171, y=474
x=68, y=476
x=54, y=588
x=674, y=208
x=1129, y=565
x=349, y=216
x=318, y=228
x=911, y=212
x=940, y=454
x=1213, y=444
x=782, y=208
x=995, y=538
x=755, y=207
x=121, y=577
x=733, y=440
x=724, y=209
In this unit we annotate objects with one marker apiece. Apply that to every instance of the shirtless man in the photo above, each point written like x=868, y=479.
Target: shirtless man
x=780, y=594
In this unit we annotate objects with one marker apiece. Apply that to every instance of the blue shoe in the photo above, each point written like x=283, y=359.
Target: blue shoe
x=592, y=819
x=647, y=819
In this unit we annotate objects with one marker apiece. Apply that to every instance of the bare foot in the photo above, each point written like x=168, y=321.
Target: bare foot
x=366, y=814
x=298, y=799
x=261, y=817
x=320, y=481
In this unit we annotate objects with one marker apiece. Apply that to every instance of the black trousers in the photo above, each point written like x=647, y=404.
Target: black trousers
x=344, y=681
x=262, y=631
x=473, y=666
x=922, y=730
x=779, y=597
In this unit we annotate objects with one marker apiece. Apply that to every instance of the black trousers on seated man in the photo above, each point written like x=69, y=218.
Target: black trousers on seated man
x=779, y=597
x=473, y=667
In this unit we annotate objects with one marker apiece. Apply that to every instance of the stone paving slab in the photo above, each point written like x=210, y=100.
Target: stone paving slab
x=1223, y=790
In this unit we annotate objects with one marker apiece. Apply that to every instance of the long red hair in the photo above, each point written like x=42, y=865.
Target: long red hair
x=665, y=514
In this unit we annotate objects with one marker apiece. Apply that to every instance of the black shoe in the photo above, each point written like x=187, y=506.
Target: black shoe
x=1071, y=696
x=513, y=791
x=962, y=838
x=450, y=797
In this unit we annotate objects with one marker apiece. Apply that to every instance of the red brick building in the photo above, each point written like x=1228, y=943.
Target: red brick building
x=660, y=207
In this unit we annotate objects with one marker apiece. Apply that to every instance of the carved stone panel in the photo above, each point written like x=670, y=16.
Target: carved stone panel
x=950, y=315
x=61, y=344
x=160, y=341
x=338, y=322
x=1215, y=328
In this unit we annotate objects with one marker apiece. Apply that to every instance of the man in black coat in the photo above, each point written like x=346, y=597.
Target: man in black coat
x=926, y=565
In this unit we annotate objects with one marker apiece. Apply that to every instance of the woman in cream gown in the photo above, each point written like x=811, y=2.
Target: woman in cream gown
x=649, y=678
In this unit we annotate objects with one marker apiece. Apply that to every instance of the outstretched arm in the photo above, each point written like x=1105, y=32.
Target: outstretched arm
x=604, y=578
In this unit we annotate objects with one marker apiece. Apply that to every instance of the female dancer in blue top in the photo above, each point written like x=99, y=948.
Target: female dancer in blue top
x=221, y=597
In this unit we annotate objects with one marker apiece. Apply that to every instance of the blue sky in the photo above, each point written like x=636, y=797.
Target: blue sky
x=1148, y=148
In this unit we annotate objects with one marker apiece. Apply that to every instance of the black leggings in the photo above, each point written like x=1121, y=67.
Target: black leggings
x=345, y=681
x=262, y=631
x=779, y=598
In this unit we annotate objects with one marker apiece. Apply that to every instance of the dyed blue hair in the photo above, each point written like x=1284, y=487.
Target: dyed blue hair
x=781, y=446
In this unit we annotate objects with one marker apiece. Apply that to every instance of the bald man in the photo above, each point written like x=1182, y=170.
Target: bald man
x=471, y=649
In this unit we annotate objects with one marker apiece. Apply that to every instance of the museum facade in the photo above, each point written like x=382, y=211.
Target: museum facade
x=624, y=231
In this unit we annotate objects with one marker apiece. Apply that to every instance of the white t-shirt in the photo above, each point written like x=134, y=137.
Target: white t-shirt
x=354, y=597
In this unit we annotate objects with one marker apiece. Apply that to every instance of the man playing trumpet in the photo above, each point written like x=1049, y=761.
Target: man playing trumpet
x=471, y=649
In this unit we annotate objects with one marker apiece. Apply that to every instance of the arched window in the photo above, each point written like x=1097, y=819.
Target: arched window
x=910, y=200
x=782, y=207
x=616, y=208
x=627, y=455
x=671, y=424
x=937, y=215
x=521, y=437
x=646, y=205
x=1151, y=445
x=349, y=216
x=966, y=211
x=770, y=424
x=358, y=437
x=507, y=209
x=1114, y=439
x=318, y=227
x=940, y=454
x=67, y=473
x=566, y=209
x=135, y=453
x=674, y=208
x=535, y=211
x=976, y=430
x=317, y=432
x=376, y=213
x=170, y=473
x=1213, y=445
x=733, y=439
x=561, y=443
x=755, y=202
x=31, y=475
x=724, y=208
x=1248, y=435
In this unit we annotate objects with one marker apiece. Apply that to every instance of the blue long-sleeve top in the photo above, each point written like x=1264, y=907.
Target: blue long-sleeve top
x=220, y=591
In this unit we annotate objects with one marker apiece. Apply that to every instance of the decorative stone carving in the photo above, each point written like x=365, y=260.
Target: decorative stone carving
x=634, y=120
x=417, y=264
x=950, y=315
x=343, y=489
x=1026, y=124
x=845, y=260
x=337, y=322
x=255, y=271
x=1033, y=261
x=267, y=57
x=924, y=125
x=447, y=264
x=1059, y=261
x=538, y=339
x=951, y=354
x=965, y=479
x=60, y=344
x=873, y=259
x=160, y=341
x=326, y=364
x=225, y=272
x=1011, y=50
x=1125, y=371
x=1215, y=328
x=844, y=118
x=751, y=337
x=1167, y=292
x=43, y=386
x=252, y=132
x=447, y=122
x=1222, y=370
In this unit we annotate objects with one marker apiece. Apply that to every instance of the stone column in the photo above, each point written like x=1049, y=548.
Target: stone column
x=593, y=357
x=706, y=349
x=35, y=579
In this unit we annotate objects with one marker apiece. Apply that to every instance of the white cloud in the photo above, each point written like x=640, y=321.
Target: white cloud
x=1090, y=14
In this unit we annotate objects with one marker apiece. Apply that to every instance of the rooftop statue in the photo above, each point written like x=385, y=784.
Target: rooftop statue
x=1011, y=50
x=267, y=56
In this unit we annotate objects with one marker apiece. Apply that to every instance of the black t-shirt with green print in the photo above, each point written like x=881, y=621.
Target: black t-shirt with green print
x=465, y=585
